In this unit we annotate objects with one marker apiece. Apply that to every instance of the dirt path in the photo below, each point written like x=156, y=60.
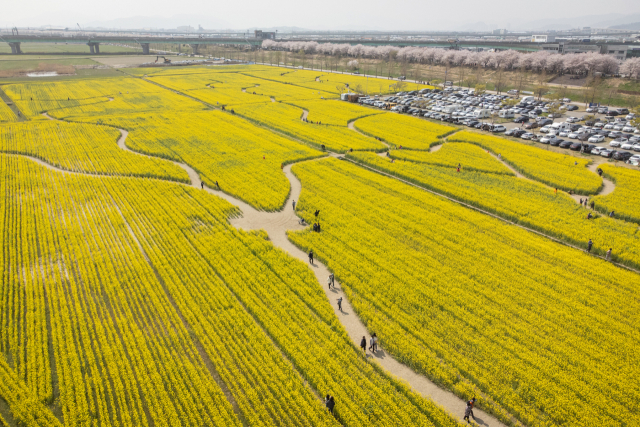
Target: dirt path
x=435, y=148
x=276, y=224
x=273, y=99
x=305, y=113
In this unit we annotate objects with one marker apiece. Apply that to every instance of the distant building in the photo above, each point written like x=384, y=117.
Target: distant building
x=186, y=29
x=500, y=32
x=259, y=34
x=543, y=38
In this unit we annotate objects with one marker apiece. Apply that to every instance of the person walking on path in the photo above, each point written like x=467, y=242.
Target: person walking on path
x=375, y=342
x=469, y=411
x=311, y=257
x=202, y=184
x=340, y=308
x=363, y=345
x=371, y=344
x=608, y=257
x=333, y=280
x=589, y=246
x=294, y=205
x=329, y=281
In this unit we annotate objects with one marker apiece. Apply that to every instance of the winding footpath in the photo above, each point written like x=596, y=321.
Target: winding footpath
x=276, y=224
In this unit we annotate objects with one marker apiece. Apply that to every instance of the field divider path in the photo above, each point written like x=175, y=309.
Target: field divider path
x=276, y=224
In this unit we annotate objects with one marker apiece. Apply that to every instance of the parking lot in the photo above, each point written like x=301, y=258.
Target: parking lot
x=599, y=131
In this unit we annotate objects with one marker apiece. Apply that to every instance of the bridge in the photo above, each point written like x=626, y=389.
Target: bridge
x=93, y=42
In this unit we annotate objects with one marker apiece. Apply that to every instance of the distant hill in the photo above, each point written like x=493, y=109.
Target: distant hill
x=633, y=26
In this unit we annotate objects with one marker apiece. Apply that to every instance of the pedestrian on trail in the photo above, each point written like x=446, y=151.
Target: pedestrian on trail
x=311, y=257
x=589, y=246
x=294, y=205
x=469, y=411
x=608, y=256
x=580, y=201
x=593, y=204
x=340, y=308
x=363, y=345
x=333, y=280
x=371, y=344
x=329, y=282
x=375, y=342
x=611, y=214
x=202, y=184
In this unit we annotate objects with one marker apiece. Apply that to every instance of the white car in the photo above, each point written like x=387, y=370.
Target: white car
x=527, y=135
x=606, y=152
x=572, y=120
x=548, y=139
x=596, y=150
x=591, y=110
x=627, y=146
x=598, y=125
x=564, y=134
x=636, y=147
x=628, y=129
x=630, y=116
x=574, y=135
x=596, y=138
x=614, y=143
x=545, y=129
x=609, y=126
x=618, y=127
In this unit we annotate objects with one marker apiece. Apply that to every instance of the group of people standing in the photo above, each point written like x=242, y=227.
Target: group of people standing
x=373, y=344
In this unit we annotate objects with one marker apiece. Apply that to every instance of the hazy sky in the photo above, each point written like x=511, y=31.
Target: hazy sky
x=325, y=14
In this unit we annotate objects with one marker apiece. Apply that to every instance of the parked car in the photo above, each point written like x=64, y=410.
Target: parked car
x=622, y=155
x=596, y=138
x=565, y=144
x=498, y=128
x=532, y=125
x=527, y=135
x=572, y=120
x=522, y=119
x=606, y=152
x=548, y=139
x=572, y=107
x=585, y=136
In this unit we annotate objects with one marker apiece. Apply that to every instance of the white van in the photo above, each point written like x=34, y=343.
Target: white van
x=451, y=108
x=528, y=99
x=506, y=114
x=560, y=127
x=481, y=114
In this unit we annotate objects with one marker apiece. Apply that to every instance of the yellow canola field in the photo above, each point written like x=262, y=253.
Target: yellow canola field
x=286, y=118
x=483, y=308
x=522, y=201
x=333, y=112
x=403, y=131
x=83, y=148
x=176, y=297
x=92, y=99
x=624, y=199
x=334, y=82
x=470, y=157
x=6, y=114
x=244, y=159
x=557, y=170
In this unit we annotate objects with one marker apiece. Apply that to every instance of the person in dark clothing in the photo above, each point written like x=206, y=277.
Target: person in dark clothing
x=331, y=404
x=589, y=246
x=315, y=226
x=340, y=308
x=217, y=185
x=363, y=345
x=318, y=230
x=333, y=280
x=593, y=204
x=202, y=185
x=310, y=257
x=589, y=216
x=317, y=213
x=580, y=201
x=611, y=215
